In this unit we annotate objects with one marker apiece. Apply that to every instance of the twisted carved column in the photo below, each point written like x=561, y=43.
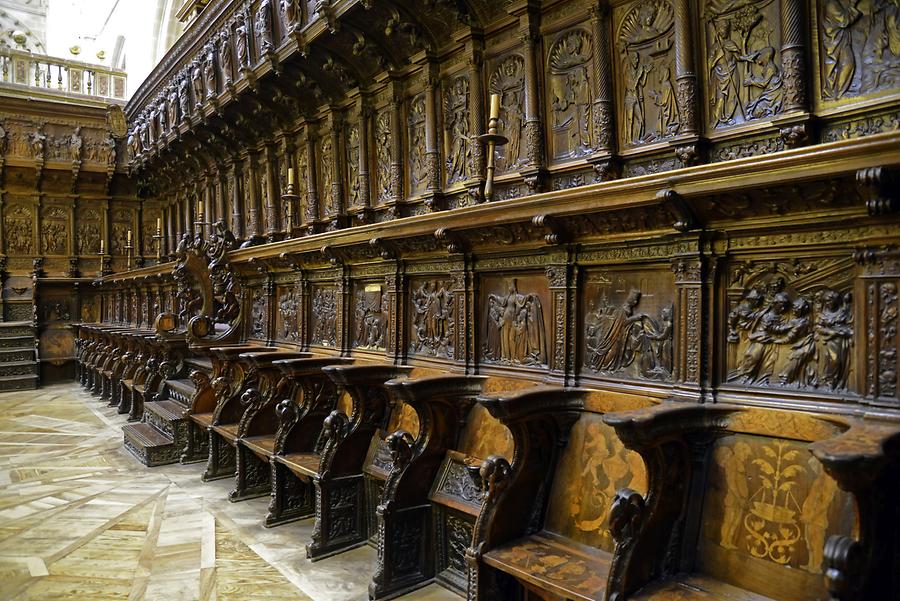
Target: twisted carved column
x=396, y=145
x=271, y=194
x=476, y=121
x=534, y=135
x=792, y=55
x=685, y=76
x=254, y=211
x=364, y=200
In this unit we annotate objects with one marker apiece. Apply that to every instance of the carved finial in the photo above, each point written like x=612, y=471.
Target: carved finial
x=842, y=566
x=495, y=472
x=625, y=515
x=336, y=425
x=400, y=444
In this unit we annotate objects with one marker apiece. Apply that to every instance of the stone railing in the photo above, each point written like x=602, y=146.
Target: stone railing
x=41, y=75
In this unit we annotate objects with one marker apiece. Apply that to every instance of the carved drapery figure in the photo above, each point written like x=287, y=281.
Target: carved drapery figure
x=383, y=155
x=370, y=320
x=417, y=173
x=508, y=80
x=326, y=171
x=263, y=27
x=289, y=307
x=570, y=90
x=209, y=70
x=259, y=314
x=197, y=83
x=38, y=141
x=76, y=145
x=302, y=180
x=515, y=328
x=183, y=99
x=838, y=16
x=456, y=111
x=172, y=106
x=17, y=229
x=290, y=12
x=645, y=41
x=353, y=165
x=225, y=57
x=88, y=238
x=619, y=340
x=432, y=319
x=324, y=317
x=787, y=338
x=242, y=41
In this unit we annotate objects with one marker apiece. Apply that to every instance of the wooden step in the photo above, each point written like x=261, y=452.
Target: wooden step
x=149, y=445
x=201, y=363
x=18, y=368
x=181, y=390
x=23, y=382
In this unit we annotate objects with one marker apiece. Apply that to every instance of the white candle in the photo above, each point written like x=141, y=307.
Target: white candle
x=495, y=106
x=290, y=176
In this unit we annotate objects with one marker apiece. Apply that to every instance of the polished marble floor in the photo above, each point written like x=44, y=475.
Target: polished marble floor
x=80, y=519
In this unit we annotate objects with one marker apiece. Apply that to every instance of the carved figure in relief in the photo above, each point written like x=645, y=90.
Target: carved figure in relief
x=76, y=145
x=370, y=319
x=225, y=56
x=88, y=238
x=417, y=142
x=353, y=164
x=383, y=155
x=834, y=333
x=209, y=71
x=457, y=115
x=803, y=346
x=3, y=140
x=18, y=231
x=54, y=237
x=432, y=319
x=263, y=27
x=758, y=362
x=324, y=317
x=290, y=306
x=635, y=80
x=197, y=82
x=183, y=104
x=838, y=16
x=290, y=11
x=242, y=42
x=733, y=463
x=664, y=98
x=765, y=77
x=516, y=332
x=258, y=314
x=723, y=59
x=172, y=106
x=326, y=176
x=508, y=80
x=38, y=143
x=571, y=91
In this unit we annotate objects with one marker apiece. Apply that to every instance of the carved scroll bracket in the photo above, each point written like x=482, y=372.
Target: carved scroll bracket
x=880, y=185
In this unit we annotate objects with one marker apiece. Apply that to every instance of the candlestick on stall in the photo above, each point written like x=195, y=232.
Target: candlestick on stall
x=159, y=240
x=129, y=248
x=288, y=199
x=491, y=140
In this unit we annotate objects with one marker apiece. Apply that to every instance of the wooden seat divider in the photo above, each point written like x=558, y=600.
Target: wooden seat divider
x=742, y=511
x=542, y=530
x=406, y=538
x=264, y=386
x=230, y=378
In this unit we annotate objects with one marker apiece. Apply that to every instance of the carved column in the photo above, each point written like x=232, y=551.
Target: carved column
x=793, y=61
x=208, y=201
x=394, y=286
x=432, y=152
x=365, y=115
x=690, y=311
x=476, y=121
x=335, y=205
x=302, y=313
x=221, y=210
x=603, y=113
x=535, y=170
x=312, y=184
x=170, y=229
x=255, y=209
x=396, y=145
x=561, y=280
x=237, y=211
x=344, y=299
x=273, y=227
x=685, y=75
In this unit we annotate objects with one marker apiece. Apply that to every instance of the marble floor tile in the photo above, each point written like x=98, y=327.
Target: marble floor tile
x=81, y=519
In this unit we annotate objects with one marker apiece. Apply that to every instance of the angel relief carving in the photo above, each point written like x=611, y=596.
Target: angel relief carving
x=645, y=47
x=860, y=44
x=515, y=328
x=432, y=319
x=508, y=80
x=743, y=64
x=781, y=336
x=620, y=339
x=456, y=111
x=570, y=90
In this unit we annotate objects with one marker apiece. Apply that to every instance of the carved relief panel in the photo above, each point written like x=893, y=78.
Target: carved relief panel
x=18, y=229
x=457, y=142
x=323, y=316
x=88, y=231
x=644, y=40
x=326, y=174
x=416, y=139
x=507, y=78
x=55, y=230
x=353, y=183
x=259, y=313
x=383, y=150
x=122, y=223
x=287, y=318
x=370, y=316
x=569, y=68
x=790, y=325
x=432, y=318
x=514, y=313
x=859, y=47
x=743, y=61
x=769, y=504
x=629, y=324
x=148, y=230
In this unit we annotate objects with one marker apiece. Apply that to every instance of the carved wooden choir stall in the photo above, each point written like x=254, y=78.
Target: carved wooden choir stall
x=569, y=299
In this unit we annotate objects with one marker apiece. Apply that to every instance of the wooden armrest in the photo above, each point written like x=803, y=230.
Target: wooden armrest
x=305, y=366
x=265, y=358
x=346, y=375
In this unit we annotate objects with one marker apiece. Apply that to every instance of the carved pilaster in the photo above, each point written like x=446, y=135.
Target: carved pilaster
x=312, y=196
x=561, y=280
x=344, y=296
x=303, y=313
x=237, y=219
x=252, y=194
x=793, y=61
x=336, y=204
x=689, y=311
x=877, y=287
x=365, y=116
x=396, y=146
x=395, y=344
x=476, y=121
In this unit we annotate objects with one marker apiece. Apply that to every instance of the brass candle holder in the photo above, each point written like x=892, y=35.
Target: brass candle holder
x=289, y=198
x=158, y=237
x=200, y=224
x=491, y=140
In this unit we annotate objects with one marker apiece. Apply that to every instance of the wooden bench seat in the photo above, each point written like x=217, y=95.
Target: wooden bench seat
x=552, y=563
x=262, y=446
x=306, y=464
x=695, y=587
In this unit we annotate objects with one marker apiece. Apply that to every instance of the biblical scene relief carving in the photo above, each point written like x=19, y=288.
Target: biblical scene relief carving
x=323, y=324
x=417, y=165
x=18, y=224
x=860, y=46
x=326, y=173
x=794, y=333
x=353, y=166
x=627, y=332
x=644, y=38
x=289, y=307
x=369, y=317
x=570, y=94
x=515, y=331
x=88, y=235
x=383, y=156
x=54, y=231
x=508, y=80
x=743, y=62
x=432, y=319
x=770, y=499
x=302, y=180
x=456, y=138
x=590, y=471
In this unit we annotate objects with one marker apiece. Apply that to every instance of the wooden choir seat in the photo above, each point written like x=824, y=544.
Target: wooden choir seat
x=412, y=541
x=759, y=509
x=542, y=529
